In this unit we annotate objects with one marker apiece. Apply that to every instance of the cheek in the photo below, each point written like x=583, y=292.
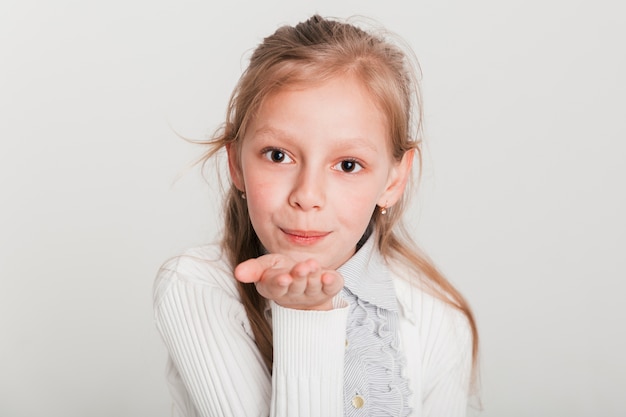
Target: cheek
x=362, y=193
x=263, y=196
x=357, y=202
x=355, y=206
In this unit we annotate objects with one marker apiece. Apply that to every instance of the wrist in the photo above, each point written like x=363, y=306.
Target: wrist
x=326, y=306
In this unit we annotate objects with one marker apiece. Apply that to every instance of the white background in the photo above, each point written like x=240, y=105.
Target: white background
x=522, y=199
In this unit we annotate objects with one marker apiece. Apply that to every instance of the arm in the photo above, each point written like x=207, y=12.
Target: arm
x=308, y=361
x=309, y=325
x=203, y=329
x=206, y=332
x=449, y=349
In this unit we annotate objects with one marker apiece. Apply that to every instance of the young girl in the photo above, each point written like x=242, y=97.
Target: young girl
x=315, y=302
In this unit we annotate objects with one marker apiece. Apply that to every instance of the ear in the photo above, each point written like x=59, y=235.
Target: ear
x=398, y=178
x=233, y=167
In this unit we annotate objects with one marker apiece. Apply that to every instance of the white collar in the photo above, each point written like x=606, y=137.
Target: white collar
x=367, y=276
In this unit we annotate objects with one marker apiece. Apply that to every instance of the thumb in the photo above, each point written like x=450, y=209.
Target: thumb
x=252, y=270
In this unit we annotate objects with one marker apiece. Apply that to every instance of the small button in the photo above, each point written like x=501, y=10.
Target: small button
x=346, y=342
x=358, y=401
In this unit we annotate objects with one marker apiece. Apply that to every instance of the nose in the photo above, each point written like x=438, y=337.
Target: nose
x=308, y=191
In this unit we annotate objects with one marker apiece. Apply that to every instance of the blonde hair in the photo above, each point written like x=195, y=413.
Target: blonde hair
x=311, y=52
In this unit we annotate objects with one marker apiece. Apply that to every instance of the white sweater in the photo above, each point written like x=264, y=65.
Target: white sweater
x=215, y=369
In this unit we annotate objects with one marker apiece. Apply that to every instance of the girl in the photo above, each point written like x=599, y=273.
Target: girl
x=315, y=302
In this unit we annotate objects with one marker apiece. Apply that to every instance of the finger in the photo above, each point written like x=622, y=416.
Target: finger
x=308, y=268
x=298, y=276
x=304, y=273
x=313, y=287
x=252, y=270
x=332, y=282
x=276, y=277
x=314, y=283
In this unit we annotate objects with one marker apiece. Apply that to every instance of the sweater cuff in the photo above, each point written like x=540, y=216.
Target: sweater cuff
x=309, y=349
x=309, y=342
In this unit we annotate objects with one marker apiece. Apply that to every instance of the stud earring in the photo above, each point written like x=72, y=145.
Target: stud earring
x=243, y=196
x=383, y=210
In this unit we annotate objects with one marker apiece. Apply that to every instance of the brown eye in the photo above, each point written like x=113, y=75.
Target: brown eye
x=277, y=155
x=348, y=166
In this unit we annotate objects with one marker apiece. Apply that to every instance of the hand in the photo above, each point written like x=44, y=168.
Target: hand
x=298, y=285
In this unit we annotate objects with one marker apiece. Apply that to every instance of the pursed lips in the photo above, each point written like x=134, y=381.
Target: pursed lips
x=304, y=236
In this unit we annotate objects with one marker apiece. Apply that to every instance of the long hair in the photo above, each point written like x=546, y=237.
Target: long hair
x=312, y=52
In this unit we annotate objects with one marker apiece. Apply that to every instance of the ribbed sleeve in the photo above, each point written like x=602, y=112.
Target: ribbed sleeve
x=308, y=361
x=438, y=342
x=217, y=369
x=448, y=348
x=217, y=360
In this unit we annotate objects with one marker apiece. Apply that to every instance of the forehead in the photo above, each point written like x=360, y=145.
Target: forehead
x=341, y=108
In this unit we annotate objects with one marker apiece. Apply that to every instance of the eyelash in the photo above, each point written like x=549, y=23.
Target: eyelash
x=268, y=153
x=357, y=166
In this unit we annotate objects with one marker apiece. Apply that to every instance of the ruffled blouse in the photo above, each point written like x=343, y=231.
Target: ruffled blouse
x=374, y=380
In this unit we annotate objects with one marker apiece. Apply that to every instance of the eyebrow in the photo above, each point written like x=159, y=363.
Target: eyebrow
x=348, y=142
x=270, y=131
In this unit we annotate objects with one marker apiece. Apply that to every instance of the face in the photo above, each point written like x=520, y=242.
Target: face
x=314, y=164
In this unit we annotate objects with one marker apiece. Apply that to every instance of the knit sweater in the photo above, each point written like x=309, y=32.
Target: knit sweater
x=215, y=369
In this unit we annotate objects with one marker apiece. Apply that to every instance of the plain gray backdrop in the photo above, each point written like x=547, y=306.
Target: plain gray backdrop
x=521, y=203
